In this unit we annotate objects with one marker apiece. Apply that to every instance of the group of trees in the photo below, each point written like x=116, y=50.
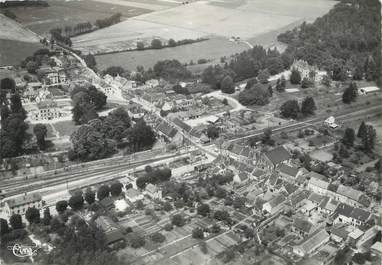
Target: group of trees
x=170, y=70
x=291, y=108
x=350, y=93
x=99, y=137
x=258, y=94
x=353, y=44
x=256, y=62
x=86, y=102
x=13, y=132
x=153, y=176
x=368, y=135
x=106, y=22
x=70, y=31
x=56, y=35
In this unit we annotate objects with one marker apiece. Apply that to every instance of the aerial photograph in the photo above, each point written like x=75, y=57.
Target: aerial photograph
x=190, y=132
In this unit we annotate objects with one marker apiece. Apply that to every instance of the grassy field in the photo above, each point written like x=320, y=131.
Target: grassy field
x=12, y=52
x=213, y=49
x=61, y=13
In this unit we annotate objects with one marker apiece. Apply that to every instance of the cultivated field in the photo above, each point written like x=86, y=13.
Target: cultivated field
x=255, y=22
x=210, y=49
x=10, y=30
x=62, y=13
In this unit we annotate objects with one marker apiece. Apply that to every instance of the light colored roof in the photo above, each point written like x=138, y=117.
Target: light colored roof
x=369, y=89
x=132, y=193
x=356, y=233
x=377, y=246
x=151, y=188
x=318, y=180
x=349, y=192
x=313, y=241
x=24, y=199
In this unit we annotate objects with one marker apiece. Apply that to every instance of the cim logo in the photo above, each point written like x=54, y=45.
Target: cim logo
x=23, y=251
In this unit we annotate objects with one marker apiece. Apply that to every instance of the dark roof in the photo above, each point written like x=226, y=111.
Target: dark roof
x=340, y=231
x=166, y=129
x=344, y=209
x=291, y=171
x=299, y=197
x=302, y=225
x=273, y=179
x=182, y=125
x=278, y=155
x=360, y=214
x=290, y=188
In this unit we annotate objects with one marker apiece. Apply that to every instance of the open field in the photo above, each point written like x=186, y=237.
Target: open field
x=62, y=13
x=257, y=22
x=10, y=30
x=12, y=52
x=210, y=49
x=208, y=18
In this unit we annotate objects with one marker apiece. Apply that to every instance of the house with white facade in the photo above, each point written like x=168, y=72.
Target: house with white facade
x=20, y=204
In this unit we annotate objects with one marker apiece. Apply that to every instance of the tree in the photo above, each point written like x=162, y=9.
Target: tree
x=116, y=188
x=32, y=215
x=249, y=233
x=349, y=137
x=221, y=215
x=76, y=202
x=282, y=83
x=371, y=69
x=40, y=131
x=361, y=130
x=257, y=95
x=305, y=83
x=238, y=202
x=137, y=241
x=263, y=76
x=227, y=85
x=350, y=93
x=168, y=227
x=178, y=220
x=213, y=132
x=140, y=45
x=61, y=206
x=116, y=123
x=308, y=106
x=158, y=237
x=16, y=221
x=89, y=196
x=203, y=209
x=4, y=228
x=270, y=90
x=295, y=76
x=225, y=101
x=215, y=229
x=88, y=143
x=47, y=217
x=167, y=206
x=171, y=43
x=369, y=138
x=103, y=192
x=90, y=61
x=378, y=165
x=32, y=67
x=141, y=136
x=290, y=109
x=156, y=44
x=197, y=233
x=171, y=70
